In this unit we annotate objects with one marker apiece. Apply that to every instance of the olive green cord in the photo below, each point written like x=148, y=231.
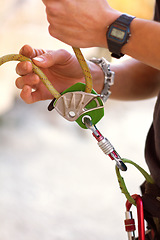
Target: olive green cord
x=122, y=182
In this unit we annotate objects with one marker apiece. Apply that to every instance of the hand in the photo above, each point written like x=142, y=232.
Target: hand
x=61, y=68
x=80, y=23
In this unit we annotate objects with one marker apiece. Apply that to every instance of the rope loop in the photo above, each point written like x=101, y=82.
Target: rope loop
x=44, y=79
x=122, y=182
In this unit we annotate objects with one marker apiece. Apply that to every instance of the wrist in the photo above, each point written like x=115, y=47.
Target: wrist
x=118, y=34
x=107, y=18
x=129, y=48
x=111, y=16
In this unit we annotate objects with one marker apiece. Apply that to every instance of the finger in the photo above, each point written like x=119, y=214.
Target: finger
x=26, y=94
x=30, y=97
x=50, y=58
x=23, y=68
x=31, y=80
x=30, y=52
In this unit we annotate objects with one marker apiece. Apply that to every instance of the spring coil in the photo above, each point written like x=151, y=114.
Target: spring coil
x=106, y=146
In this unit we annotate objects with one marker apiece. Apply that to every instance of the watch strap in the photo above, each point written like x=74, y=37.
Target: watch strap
x=114, y=46
x=125, y=19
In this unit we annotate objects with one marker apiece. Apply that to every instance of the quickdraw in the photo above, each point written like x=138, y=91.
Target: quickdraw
x=82, y=104
x=133, y=200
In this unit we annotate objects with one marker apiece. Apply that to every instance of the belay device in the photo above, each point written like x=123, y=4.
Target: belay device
x=82, y=104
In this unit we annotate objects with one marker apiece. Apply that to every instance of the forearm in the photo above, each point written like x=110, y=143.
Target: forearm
x=133, y=80
x=144, y=43
x=87, y=22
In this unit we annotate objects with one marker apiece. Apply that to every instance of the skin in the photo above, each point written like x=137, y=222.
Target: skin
x=71, y=22
x=61, y=68
x=133, y=79
x=80, y=23
x=84, y=24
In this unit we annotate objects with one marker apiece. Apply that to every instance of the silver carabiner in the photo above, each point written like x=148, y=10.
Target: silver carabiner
x=105, y=144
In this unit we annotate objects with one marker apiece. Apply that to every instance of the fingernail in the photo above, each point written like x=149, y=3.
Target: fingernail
x=39, y=59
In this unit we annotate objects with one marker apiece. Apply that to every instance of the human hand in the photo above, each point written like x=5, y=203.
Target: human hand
x=61, y=68
x=80, y=23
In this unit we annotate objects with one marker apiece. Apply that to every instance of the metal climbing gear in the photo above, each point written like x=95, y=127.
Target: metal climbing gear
x=108, y=76
x=79, y=101
x=133, y=200
x=104, y=144
x=75, y=103
x=82, y=104
x=130, y=223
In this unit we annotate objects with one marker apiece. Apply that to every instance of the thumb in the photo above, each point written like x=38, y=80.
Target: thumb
x=50, y=58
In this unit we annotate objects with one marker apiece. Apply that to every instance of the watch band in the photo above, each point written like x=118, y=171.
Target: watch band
x=122, y=24
x=125, y=19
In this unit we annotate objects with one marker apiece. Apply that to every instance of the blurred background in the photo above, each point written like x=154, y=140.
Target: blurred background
x=55, y=183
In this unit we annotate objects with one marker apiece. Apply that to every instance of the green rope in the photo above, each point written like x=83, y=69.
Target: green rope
x=122, y=182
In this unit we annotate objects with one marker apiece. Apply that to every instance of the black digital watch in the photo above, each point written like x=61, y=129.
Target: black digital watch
x=118, y=34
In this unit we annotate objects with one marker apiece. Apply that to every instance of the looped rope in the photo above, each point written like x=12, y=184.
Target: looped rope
x=44, y=79
x=85, y=69
x=122, y=182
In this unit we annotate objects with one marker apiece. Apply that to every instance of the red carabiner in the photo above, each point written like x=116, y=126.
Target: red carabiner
x=140, y=215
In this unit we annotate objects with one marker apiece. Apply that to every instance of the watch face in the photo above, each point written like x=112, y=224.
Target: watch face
x=117, y=33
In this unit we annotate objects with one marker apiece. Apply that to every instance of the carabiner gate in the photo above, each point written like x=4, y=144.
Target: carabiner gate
x=129, y=222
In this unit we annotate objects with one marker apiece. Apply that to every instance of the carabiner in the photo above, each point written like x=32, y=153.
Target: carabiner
x=140, y=217
x=104, y=143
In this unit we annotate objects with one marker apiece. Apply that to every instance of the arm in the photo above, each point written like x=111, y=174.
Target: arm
x=133, y=80
x=84, y=24
x=144, y=43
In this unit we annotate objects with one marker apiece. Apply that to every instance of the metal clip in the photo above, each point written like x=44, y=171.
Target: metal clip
x=130, y=225
x=140, y=216
x=108, y=76
x=104, y=144
x=72, y=105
